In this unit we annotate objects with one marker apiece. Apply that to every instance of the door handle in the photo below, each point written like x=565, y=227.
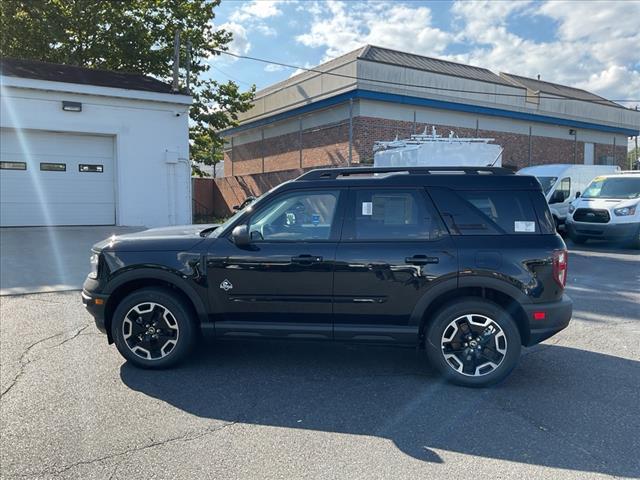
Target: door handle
x=421, y=260
x=306, y=259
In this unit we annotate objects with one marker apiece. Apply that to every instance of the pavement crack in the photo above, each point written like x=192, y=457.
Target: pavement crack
x=187, y=437
x=24, y=360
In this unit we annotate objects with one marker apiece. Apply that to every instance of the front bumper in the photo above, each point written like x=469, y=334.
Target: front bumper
x=95, y=305
x=606, y=231
x=556, y=317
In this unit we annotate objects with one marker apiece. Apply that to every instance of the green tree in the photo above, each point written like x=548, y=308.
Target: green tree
x=133, y=36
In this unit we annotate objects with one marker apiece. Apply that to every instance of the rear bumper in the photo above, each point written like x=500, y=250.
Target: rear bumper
x=556, y=317
x=95, y=305
x=607, y=231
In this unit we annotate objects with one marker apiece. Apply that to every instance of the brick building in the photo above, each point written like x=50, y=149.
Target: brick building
x=333, y=115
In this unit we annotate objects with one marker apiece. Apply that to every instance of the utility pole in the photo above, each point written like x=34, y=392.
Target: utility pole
x=188, y=66
x=176, y=61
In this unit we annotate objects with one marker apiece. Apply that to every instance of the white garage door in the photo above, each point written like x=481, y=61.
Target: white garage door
x=55, y=178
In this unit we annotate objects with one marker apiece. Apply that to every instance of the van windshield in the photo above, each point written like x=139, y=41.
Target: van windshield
x=613, y=187
x=547, y=183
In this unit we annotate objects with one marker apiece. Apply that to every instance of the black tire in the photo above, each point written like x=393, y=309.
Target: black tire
x=174, y=343
x=635, y=241
x=503, y=346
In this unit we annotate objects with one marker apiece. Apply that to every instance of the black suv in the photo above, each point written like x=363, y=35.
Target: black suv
x=463, y=262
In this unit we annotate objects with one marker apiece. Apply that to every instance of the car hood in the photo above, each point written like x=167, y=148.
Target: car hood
x=604, y=203
x=177, y=238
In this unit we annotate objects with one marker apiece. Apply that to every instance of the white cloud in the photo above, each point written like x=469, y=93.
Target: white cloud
x=597, y=45
x=272, y=67
x=341, y=27
x=240, y=44
x=256, y=9
x=266, y=30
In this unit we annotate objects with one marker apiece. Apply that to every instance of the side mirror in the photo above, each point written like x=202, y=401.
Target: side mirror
x=557, y=197
x=240, y=236
x=578, y=194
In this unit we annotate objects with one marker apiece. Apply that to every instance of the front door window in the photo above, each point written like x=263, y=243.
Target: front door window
x=296, y=217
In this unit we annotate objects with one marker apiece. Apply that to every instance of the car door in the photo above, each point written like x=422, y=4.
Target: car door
x=281, y=283
x=394, y=249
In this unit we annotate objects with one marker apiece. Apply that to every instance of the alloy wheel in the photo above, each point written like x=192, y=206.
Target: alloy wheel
x=150, y=330
x=474, y=345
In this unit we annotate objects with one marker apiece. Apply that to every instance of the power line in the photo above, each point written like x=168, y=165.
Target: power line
x=401, y=84
x=229, y=76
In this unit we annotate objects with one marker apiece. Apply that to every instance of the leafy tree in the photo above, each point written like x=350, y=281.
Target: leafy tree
x=133, y=36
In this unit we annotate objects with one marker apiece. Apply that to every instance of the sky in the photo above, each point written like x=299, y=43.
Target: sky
x=594, y=45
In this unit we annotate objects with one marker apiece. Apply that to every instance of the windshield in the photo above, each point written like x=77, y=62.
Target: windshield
x=547, y=183
x=613, y=187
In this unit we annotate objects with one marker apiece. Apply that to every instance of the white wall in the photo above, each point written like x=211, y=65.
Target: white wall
x=150, y=131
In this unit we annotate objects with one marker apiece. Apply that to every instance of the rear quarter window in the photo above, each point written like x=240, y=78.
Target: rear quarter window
x=487, y=212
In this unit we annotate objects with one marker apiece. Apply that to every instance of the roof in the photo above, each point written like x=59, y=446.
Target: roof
x=429, y=64
x=37, y=70
x=557, y=90
x=329, y=65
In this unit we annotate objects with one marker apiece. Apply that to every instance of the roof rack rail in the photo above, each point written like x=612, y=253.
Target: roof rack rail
x=333, y=173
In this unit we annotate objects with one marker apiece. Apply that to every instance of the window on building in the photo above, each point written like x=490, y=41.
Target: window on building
x=53, y=167
x=606, y=160
x=13, y=166
x=86, y=168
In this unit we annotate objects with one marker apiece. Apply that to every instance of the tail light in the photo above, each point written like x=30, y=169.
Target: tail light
x=560, y=260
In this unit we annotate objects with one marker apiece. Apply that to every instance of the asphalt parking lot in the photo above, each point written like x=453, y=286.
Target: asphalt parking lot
x=72, y=408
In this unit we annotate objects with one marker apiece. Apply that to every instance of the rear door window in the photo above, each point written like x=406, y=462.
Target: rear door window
x=391, y=214
x=478, y=212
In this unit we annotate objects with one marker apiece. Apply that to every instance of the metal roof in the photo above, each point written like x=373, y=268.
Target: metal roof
x=429, y=64
x=13, y=67
x=557, y=90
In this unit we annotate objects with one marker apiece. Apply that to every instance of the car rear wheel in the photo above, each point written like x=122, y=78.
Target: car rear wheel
x=473, y=342
x=153, y=328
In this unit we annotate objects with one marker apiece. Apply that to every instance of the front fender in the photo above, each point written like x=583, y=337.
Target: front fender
x=179, y=280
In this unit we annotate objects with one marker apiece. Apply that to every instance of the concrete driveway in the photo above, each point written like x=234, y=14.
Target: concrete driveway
x=48, y=259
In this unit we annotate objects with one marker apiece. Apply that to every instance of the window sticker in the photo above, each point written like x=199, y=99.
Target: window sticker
x=367, y=208
x=315, y=218
x=521, y=226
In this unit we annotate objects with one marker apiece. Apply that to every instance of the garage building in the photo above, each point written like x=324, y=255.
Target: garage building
x=88, y=147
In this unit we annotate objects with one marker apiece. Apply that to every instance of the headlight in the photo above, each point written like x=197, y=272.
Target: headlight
x=625, y=211
x=572, y=209
x=93, y=265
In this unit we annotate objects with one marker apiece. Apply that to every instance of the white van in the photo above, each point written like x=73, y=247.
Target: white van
x=609, y=209
x=563, y=183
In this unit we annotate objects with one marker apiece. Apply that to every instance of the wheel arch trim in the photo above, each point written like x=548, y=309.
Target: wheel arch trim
x=162, y=275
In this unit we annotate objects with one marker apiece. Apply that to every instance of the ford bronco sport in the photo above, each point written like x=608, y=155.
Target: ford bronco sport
x=462, y=262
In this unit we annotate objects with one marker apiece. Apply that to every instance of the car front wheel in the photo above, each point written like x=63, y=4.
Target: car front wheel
x=473, y=342
x=153, y=328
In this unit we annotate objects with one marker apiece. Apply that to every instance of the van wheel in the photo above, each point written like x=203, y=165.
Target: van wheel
x=473, y=343
x=153, y=328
